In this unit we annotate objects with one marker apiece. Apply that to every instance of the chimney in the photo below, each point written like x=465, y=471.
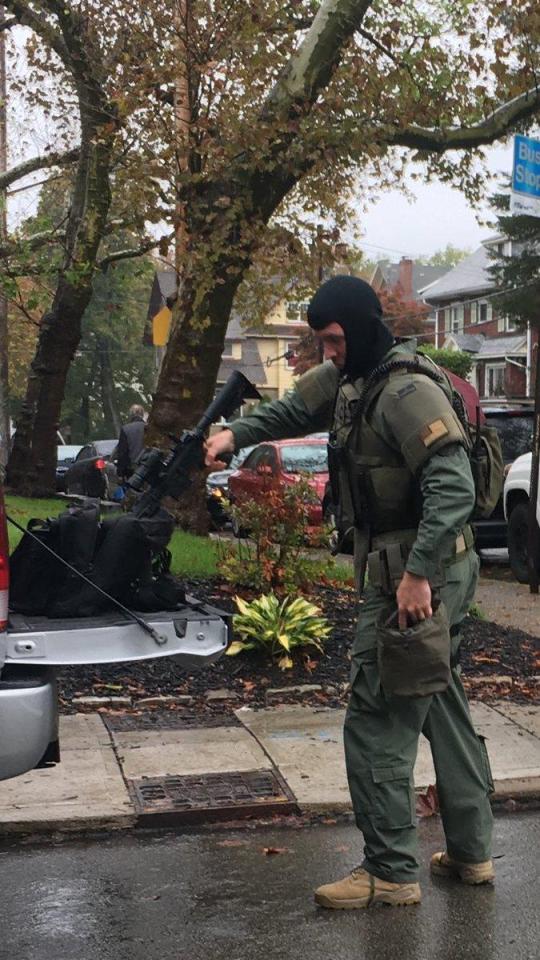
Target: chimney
x=405, y=277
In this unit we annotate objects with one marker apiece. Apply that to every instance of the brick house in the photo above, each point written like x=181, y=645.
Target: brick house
x=405, y=281
x=467, y=319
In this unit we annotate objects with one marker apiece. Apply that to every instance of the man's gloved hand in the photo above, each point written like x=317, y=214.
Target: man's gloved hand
x=222, y=442
x=413, y=599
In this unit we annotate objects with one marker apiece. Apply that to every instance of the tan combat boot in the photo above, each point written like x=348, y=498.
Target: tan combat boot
x=360, y=889
x=442, y=865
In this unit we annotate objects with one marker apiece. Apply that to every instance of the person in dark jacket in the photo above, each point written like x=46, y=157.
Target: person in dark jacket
x=130, y=441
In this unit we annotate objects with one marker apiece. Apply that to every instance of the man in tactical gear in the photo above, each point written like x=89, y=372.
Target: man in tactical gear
x=400, y=473
x=130, y=441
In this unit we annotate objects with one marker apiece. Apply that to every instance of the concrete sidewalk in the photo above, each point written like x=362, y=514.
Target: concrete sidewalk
x=96, y=784
x=509, y=604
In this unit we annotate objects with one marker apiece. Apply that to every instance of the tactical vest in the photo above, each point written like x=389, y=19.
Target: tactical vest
x=373, y=482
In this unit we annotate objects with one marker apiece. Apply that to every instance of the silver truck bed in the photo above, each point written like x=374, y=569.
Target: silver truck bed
x=194, y=635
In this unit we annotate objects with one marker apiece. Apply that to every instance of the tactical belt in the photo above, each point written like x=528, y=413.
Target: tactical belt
x=387, y=564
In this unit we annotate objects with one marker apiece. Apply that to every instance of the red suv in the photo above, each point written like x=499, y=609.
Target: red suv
x=282, y=463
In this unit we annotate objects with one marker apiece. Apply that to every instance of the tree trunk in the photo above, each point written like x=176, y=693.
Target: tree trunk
x=111, y=413
x=32, y=463
x=31, y=466
x=85, y=400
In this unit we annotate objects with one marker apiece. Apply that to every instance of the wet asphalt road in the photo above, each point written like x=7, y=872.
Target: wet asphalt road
x=217, y=896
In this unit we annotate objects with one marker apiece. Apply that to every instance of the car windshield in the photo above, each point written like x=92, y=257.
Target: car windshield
x=238, y=458
x=66, y=452
x=305, y=458
x=104, y=448
x=515, y=434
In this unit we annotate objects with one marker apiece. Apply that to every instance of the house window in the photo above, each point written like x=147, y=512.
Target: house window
x=485, y=311
x=457, y=318
x=495, y=379
x=237, y=350
x=474, y=312
x=297, y=311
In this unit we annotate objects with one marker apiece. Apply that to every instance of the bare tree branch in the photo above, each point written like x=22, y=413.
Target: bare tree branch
x=38, y=22
x=367, y=35
x=37, y=163
x=29, y=244
x=437, y=140
x=130, y=254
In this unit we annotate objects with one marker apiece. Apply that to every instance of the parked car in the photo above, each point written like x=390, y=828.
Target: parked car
x=517, y=489
x=32, y=648
x=217, y=489
x=65, y=456
x=282, y=462
x=515, y=429
x=93, y=472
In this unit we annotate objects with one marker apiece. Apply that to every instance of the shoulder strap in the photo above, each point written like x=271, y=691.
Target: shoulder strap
x=417, y=364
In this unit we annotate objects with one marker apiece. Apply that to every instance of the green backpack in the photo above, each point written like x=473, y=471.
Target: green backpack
x=483, y=444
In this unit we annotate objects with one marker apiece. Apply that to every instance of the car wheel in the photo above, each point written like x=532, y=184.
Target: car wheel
x=75, y=488
x=518, y=532
x=96, y=487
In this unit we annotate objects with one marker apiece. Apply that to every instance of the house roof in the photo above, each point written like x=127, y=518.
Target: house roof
x=422, y=275
x=469, y=276
x=469, y=342
x=251, y=364
x=503, y=347
x=163, y=286
x=484, y=347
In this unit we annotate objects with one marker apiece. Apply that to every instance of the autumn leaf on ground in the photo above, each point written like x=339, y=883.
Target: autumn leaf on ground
x=272, y=851
x=427, y=804
x=248, y=685
x=231, y=843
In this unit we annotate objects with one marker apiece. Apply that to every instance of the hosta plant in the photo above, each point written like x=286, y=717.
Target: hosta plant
x=278, y=626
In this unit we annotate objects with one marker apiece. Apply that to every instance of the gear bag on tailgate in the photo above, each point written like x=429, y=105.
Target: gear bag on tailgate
x=124, y=556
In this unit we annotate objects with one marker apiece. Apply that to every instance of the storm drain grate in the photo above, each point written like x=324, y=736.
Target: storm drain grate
x=168, y=720
x=211, y=796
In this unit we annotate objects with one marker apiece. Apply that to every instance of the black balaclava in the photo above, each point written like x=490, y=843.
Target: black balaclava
x=353, y=304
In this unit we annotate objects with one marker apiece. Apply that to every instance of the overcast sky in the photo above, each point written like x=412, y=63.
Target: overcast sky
x=394, y=226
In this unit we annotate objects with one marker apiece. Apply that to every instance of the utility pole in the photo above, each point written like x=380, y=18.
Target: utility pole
x=4, y=384
x=533, y=544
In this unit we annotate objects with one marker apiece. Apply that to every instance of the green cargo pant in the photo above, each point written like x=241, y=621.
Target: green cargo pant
x=381, y=743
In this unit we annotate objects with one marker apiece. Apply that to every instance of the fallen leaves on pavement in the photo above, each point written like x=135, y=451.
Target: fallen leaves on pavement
x=427, y=804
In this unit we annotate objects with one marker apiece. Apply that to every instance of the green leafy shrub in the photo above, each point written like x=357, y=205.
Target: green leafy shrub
x=273, y=559
x=278, y=626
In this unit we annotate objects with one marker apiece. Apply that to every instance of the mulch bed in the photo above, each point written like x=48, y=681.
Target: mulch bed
x=496, y=662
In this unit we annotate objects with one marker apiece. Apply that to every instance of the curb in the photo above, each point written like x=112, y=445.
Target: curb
x=511, y=796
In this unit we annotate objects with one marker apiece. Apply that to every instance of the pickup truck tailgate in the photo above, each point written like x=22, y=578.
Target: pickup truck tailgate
x=194, y=635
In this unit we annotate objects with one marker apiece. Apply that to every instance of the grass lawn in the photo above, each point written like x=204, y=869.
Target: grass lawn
x=192, y=557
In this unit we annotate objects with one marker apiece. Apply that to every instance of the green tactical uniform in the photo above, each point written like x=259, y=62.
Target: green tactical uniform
x=406, y=487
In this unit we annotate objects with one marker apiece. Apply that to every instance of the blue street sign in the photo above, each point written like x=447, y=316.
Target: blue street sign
x=525, y=196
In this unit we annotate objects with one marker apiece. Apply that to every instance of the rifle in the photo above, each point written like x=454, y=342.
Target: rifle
x=169, y=475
